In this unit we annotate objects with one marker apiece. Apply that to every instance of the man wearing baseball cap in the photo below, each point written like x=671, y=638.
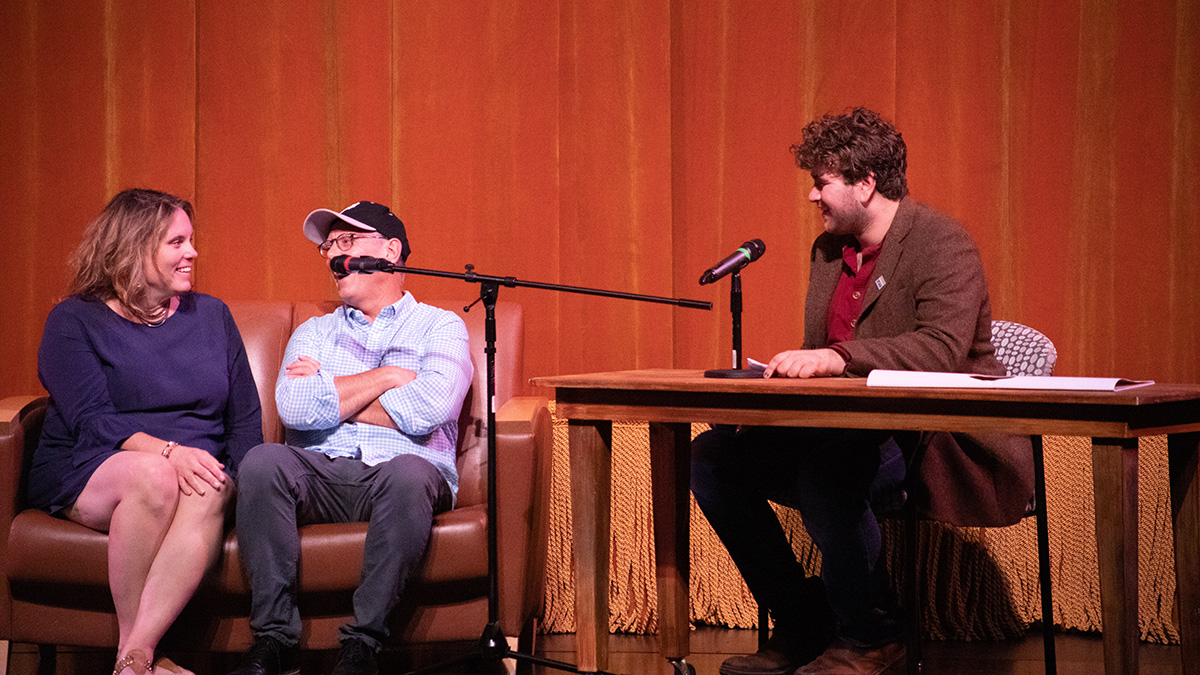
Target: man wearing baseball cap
x=370, y=396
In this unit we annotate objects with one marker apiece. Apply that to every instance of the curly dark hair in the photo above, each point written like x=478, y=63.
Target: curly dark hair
x=853, y=145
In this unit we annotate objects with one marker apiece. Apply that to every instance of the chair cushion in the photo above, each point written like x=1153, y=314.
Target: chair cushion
x=265, y=328
x=45, y=549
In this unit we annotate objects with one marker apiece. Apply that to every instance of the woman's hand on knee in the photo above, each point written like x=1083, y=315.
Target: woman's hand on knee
x=197, y=470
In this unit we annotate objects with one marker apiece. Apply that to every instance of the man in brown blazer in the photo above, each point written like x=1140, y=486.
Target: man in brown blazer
x=893, y=284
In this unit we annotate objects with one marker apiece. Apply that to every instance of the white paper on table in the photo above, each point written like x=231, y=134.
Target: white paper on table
x=917, y=378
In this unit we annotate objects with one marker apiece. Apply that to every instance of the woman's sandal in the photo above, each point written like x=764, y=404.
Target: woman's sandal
x=165, y=665
x=135, y=660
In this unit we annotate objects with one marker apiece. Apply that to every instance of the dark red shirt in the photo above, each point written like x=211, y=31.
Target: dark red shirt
x=847, y=302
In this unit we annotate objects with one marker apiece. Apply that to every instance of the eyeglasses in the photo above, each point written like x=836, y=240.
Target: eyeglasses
x=344, y=241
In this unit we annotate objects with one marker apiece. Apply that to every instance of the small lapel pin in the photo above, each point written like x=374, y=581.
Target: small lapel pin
x=880, y=283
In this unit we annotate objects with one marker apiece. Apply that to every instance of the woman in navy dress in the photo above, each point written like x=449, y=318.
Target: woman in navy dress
x=152, y=405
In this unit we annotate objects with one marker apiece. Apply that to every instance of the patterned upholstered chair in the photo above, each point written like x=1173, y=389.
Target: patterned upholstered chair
x=1023, y=351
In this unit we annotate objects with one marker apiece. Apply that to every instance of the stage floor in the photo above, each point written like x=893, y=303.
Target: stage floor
x=638, y=655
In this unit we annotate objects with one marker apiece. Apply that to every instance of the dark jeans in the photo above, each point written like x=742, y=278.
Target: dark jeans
x=281, y=487
x=830, y=476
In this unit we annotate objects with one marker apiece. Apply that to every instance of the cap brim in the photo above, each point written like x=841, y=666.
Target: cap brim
x=318, y=224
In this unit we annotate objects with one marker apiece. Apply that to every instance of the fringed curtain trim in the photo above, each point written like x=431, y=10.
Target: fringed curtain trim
x=981, y=583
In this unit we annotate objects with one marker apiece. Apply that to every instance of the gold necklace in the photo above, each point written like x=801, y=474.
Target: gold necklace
x=166, y=311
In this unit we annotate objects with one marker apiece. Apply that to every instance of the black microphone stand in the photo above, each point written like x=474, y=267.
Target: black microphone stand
x=493, y=644
x=735, y=307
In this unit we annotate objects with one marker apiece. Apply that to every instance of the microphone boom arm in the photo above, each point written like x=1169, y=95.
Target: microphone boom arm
x=471, y=276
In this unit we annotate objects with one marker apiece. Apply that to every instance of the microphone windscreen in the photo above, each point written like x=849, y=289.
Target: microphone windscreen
x=338, y=264
x=756, y=247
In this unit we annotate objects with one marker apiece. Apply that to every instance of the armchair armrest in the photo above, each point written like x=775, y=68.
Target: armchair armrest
x=12, y=409
x=18, y=427
x=523, y=449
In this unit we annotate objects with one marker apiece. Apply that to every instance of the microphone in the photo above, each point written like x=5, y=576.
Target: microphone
x=748, y=253
x=344, y=264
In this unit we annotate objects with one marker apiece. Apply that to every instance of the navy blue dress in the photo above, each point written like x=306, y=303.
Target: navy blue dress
x=187, y=380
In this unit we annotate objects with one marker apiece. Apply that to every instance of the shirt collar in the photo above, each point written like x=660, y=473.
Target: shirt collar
x=850, y=255
x=396, y=310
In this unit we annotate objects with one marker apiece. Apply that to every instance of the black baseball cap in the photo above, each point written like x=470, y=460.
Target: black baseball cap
x=367, y=216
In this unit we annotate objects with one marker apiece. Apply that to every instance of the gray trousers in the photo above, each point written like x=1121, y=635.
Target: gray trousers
x=281, y=487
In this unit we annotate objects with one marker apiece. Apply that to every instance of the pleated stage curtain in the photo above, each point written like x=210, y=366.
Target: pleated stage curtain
x=618, y=144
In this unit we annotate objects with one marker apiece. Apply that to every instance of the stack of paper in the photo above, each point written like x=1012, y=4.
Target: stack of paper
x=916, y=378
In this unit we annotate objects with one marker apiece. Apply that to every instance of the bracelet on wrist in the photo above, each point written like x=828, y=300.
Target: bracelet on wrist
x=166, y=451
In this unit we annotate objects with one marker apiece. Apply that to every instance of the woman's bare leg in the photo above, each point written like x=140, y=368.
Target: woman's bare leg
x=133, y=497
x=161, y=542
x=189, y=549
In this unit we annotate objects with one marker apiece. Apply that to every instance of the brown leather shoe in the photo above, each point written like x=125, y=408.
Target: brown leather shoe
x=766, y=661
x=843, y=658
x=781, y=656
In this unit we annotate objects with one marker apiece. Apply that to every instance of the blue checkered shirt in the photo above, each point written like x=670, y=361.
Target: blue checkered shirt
x=429, y=341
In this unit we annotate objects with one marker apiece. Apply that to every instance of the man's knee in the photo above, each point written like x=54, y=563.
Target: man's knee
x=262, y=463
x=715, y=445
x=710, y=451
x=407, y=479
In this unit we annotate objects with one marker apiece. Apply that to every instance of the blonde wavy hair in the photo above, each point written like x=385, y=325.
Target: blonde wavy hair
x=111, y=261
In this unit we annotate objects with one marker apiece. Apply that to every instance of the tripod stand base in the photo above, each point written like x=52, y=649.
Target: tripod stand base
x=736, y=373
x=682, y=667
x=492, y=647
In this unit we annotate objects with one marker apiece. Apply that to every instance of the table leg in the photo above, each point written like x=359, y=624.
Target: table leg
x=590, y=445
x=670, y=471
x=1183, y=451
x=1114, y=479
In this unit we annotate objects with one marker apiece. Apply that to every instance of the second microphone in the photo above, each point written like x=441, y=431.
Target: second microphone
x=748, y=253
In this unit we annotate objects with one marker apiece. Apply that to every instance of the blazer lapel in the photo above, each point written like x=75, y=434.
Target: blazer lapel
x=826, y=269
x=889, y=255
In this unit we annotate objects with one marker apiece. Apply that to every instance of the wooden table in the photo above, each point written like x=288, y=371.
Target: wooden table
x=671, y=399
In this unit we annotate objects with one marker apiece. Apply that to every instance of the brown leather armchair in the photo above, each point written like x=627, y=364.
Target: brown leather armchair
x=54, y=589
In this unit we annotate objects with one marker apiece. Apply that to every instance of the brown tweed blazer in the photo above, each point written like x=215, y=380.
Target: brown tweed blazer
x=927, y=308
